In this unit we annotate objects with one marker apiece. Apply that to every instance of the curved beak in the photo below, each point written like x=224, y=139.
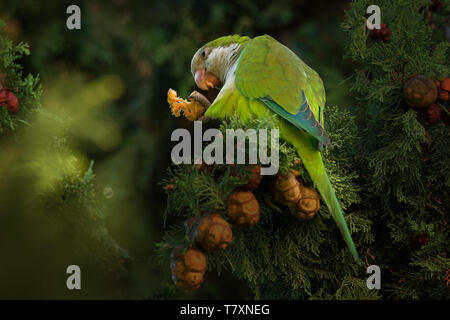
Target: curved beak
x=206, y=80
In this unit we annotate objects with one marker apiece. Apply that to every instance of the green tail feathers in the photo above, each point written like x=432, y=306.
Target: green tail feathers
x=326, y=191
x=312, y=159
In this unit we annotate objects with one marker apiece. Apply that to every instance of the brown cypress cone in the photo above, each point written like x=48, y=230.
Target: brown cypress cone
x=243, y=208
x=420, y=91
x=308, y=204
x=210, y=231
x=254, y=178
x=287, y=189
x=188, y=269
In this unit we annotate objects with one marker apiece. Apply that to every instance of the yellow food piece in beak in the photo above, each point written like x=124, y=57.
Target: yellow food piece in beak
x=192, y=110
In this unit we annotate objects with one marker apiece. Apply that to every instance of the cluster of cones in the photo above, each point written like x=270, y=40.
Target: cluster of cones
x=423, y=93
x=302, y=201
x=211, y=231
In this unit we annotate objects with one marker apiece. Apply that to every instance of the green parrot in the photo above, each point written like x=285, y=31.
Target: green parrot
x=259, y=76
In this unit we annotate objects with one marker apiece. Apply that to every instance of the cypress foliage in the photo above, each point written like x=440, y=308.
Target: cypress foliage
x=50, y=213
x=280, y=257
x=389, y=167
x=26, y=89
x=403, y=158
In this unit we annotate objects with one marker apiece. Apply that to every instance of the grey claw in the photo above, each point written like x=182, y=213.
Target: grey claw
x=203, y=119
x=201, y=99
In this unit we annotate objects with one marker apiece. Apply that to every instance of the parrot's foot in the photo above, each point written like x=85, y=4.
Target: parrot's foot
x=197, y=96
x=204, y=119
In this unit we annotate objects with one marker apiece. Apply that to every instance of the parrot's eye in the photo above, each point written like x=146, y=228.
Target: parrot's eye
x=204, y=53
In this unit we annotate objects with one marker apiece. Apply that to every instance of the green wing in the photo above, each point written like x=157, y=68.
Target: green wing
x=271, y=72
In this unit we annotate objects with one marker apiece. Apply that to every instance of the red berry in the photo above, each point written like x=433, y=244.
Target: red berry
x=254, y=178
x=382, y=34
x=12, y=102
x=2, y=96
x=436, y=5
x=445, y=84
x=9, y=99
x=419, y=240
x=443, y=95
x=433, y=113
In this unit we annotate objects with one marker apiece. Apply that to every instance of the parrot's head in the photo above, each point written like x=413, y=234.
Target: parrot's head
x=211, y=63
